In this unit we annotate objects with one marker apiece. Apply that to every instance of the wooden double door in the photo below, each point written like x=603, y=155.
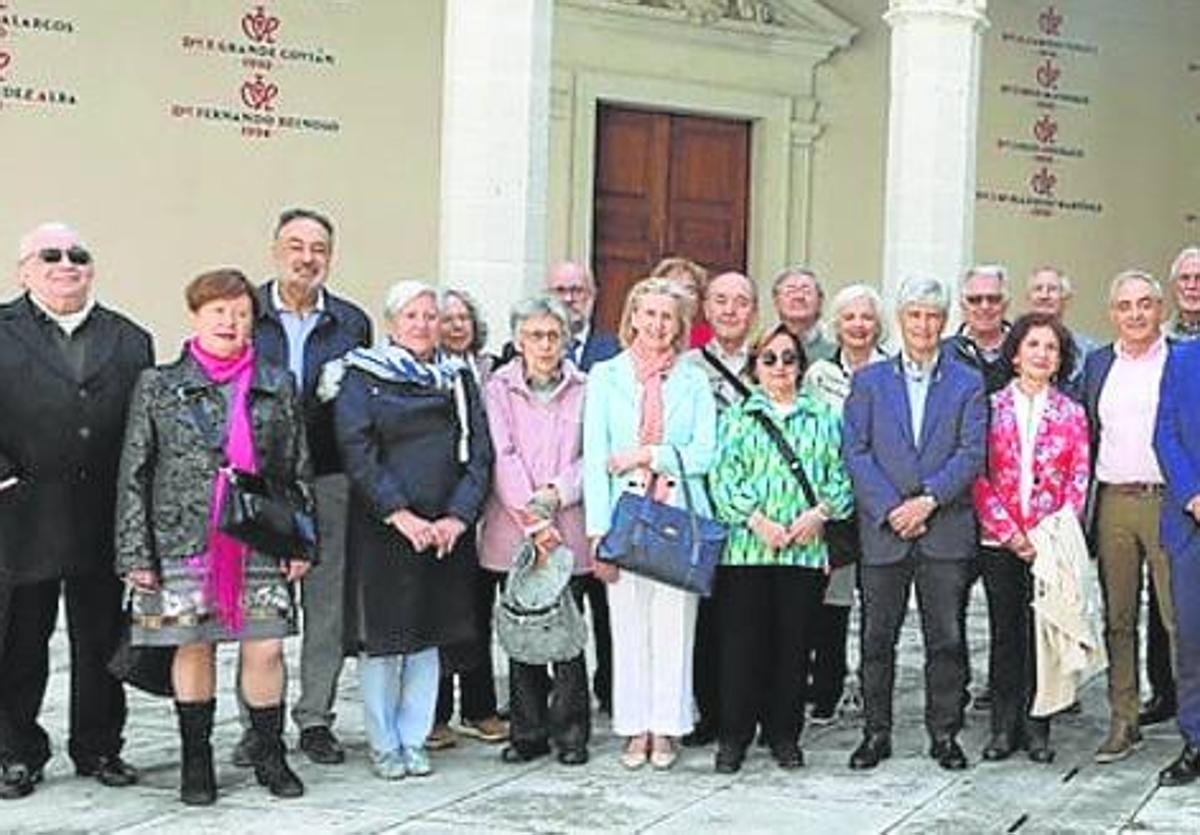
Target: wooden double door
x=666, y=185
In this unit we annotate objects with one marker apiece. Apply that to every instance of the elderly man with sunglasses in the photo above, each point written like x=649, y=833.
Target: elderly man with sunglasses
x=67, y=367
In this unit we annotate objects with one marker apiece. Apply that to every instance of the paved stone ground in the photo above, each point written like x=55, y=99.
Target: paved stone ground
x=473, y=791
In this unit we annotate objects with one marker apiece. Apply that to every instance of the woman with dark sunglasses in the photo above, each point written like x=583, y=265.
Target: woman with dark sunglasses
x=772, y=574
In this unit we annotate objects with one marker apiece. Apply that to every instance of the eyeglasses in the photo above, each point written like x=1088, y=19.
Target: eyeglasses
x=77, y=255
x=553, y=337
x=983, y=298
x=1188, y=277
x=569, y=291
x=769, y=358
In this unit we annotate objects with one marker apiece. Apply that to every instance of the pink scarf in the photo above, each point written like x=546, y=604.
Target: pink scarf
x=225, y=558
x=651, y=371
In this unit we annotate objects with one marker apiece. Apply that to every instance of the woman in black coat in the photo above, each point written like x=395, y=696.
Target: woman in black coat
x=417, y=451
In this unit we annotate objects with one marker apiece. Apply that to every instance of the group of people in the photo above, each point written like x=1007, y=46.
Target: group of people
x=433, y=464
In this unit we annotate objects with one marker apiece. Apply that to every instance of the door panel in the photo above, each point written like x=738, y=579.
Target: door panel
x=666, y=184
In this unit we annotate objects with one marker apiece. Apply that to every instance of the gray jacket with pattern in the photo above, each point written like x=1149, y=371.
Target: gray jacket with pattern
x=169, y=461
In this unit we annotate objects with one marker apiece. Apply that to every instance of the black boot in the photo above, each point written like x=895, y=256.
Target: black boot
x=270, y=765
x=198, y=782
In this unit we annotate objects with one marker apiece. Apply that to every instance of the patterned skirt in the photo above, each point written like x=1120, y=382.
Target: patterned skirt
x=180, y=612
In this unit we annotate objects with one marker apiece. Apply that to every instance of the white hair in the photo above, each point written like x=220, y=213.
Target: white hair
x=923, y=290
x=849, y=295
x=996, y=271
x=1126, y=276
x=1184, y=255
x=31, y=241
x=403, y=292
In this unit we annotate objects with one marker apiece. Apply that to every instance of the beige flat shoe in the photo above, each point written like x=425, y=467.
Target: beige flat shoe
x=664, y=754
x=636, y=750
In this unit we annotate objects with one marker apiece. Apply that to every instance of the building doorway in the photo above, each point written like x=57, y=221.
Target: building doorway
x=666, y=184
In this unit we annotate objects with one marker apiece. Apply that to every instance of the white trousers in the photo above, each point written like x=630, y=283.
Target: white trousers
x=653, y=627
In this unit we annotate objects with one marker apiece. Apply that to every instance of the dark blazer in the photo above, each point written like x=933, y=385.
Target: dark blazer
x=400, y=444
x=1177, y=445
x=1095, y=372
x=342, y=327
x=60, y=434
x=599, y=347
x=170, y=460
x=888, y=465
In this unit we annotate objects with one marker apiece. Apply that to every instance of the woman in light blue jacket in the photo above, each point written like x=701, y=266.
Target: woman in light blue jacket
x=640, y=405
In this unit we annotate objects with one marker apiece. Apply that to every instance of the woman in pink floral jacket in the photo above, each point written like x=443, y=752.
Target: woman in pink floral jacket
x=1038, y=463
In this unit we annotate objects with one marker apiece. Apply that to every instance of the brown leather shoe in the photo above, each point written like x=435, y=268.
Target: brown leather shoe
x=441, y=738
x=1122, y=741
x=491, y=730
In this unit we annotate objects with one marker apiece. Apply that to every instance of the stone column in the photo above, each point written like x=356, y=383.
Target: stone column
x=929, y=215
x=494, y=151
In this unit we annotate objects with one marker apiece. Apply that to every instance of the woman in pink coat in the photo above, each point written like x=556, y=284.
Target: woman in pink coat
x=535, y=412
x=1038, y=463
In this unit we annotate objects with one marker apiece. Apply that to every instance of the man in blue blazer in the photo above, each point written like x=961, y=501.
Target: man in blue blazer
x=1177, y=445
x=914, y=443
x=574, y=286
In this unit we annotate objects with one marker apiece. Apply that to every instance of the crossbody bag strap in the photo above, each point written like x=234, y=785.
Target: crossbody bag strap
x=789, y=455
x=724, y=371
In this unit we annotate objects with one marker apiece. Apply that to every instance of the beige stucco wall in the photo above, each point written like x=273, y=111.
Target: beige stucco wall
x=160, y=198
x=1140, y=136
x=1139, y=133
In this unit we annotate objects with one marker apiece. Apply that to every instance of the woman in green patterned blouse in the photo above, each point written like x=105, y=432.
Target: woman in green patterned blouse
x=772, y=575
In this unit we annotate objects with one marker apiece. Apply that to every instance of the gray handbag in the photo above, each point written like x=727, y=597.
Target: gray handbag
x=537, y=620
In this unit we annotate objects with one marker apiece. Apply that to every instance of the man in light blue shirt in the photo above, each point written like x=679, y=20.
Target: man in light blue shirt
x=301, y=325
x=914, y=443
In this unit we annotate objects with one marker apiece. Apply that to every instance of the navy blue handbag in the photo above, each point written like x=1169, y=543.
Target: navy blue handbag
x=672, y=545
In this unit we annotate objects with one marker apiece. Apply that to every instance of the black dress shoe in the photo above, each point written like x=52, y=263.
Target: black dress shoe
x=948, y=753
x=573, y=756
x=1001, y=747
x=524, y=754
x=1184, y=770
x=321, y=746
x=1041, y=752
x=110, y=770
x=703, y=734
x=871, y=751
x=18, y=780
x=788, y=757
x=729, y=758
x=1039, y=741
x=1156, y=709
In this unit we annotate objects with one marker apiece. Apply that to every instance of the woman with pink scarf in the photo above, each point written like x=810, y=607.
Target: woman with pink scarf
x=192, y=585
x=642, y=406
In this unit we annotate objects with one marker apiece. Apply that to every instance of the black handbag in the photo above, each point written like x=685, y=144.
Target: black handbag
x=673, y=545
x=148, y=668
x=273, y=516
x=841, y=535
